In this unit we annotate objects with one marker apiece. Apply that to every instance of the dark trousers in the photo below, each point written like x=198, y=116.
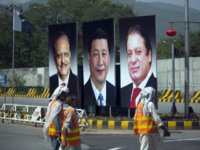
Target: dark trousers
x=54, y=142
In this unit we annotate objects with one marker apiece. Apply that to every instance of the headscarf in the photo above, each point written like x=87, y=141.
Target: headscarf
x=54, y=110
x=147, y=95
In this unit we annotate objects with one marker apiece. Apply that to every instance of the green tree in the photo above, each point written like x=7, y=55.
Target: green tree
x=6, y=35
x=35, y=49
x=80, y=11
x=164, y=49
x=18, y=82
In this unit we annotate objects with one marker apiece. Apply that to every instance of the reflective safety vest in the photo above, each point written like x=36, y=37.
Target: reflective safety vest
x=52, y=129
x=73, y=138
x=143, y=124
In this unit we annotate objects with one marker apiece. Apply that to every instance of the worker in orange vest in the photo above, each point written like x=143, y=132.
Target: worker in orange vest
x=70, y=135
x=55, y=116
x=147, y=121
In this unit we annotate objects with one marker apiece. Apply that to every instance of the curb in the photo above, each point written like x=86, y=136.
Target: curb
x=128, y=125
x=178, y=100
x=125, y=125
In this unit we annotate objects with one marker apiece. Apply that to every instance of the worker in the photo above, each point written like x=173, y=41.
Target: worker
x=55, y=116
x=70, y=135
x=147, y=121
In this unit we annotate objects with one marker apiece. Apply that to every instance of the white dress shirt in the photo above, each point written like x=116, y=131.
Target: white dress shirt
x=96, y=93
x=141, y=86
x=66, y=80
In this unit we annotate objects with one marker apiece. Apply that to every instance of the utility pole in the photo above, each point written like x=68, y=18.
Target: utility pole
x=173, y=110
x=186, y=59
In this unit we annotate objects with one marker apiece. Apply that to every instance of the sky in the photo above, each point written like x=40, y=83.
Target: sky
x=192, y=3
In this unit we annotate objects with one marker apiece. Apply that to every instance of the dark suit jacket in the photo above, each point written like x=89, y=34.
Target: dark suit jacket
x=89, y=97
x=72, y=84
x=127, y=91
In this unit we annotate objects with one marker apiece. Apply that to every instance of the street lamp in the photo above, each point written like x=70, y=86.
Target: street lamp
x=169, y=45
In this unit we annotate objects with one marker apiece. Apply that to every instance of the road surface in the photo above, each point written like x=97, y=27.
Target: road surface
x=27, y=137
x=163, y=107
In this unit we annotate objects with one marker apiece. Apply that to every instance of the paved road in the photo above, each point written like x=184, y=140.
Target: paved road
x=166, y=107
x=23, y=137
x=26, y=101
x=162, y=107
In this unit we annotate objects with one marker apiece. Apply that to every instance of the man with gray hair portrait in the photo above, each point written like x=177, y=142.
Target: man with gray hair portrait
x=62, y=56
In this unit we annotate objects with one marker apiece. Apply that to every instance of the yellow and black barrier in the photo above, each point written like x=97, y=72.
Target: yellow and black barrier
x=122, y=125
x=42, y=95
x=128, y=125
x=1, y=90
x=9, y=93
x=169, y=95
x=179, y=100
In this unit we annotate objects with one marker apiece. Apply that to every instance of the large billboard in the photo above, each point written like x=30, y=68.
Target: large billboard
x=99, y=63
x=137, y=58
x=63, y=57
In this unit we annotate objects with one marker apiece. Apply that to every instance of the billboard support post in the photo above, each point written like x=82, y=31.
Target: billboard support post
x=91, y=111
x=110, y=111
x=128, y=112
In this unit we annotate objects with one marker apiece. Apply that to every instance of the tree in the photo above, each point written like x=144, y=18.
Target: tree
x=18, y=82
x=89, y=10
x=6, y=34
x=164, y=49
x=35, y=50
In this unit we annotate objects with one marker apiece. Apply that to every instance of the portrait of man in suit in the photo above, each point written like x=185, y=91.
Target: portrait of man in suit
x=139, y=56
x=97, y=90
x=62, y=59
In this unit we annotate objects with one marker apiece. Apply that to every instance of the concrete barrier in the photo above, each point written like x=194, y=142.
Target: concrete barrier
x=128, y=125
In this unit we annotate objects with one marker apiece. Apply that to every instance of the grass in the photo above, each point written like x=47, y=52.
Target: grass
x=106, y=118
x=163, y=116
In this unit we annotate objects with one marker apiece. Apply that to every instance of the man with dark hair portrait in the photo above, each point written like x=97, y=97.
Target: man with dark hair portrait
x=98, y=91
x=62, y=55
x=139, y=55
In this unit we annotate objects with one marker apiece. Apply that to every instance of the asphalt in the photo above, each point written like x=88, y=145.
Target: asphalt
x=25, y=136
x=163, y=107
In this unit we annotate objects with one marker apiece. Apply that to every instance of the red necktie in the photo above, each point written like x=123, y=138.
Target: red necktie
x=136, y=92
x=63, y=84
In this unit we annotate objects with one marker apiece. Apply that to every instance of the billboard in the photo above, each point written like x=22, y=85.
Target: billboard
x=137, y=58
x=99, y=63
x=63, y=63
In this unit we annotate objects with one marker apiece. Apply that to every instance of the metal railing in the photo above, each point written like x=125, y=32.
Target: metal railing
x=10, y=112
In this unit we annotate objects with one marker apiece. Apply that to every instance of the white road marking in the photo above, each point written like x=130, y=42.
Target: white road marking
x=116, y=148
x=43, y=102
x=182, y=140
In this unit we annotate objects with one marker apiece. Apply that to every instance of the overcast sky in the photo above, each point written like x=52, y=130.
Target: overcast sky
x=192, y=3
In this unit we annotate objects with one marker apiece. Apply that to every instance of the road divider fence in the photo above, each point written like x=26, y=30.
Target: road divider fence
x=34, y=114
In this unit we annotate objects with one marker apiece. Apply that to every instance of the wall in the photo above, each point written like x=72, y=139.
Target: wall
x=40, y=76
x=164, y=74
x=32, y=76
